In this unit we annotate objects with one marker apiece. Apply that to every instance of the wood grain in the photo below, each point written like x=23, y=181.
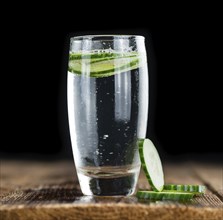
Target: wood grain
x=50, y=190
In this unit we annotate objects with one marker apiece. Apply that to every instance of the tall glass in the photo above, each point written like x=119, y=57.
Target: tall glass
x=107, y=109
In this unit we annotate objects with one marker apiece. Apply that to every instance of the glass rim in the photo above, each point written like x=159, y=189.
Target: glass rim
x=107, y=37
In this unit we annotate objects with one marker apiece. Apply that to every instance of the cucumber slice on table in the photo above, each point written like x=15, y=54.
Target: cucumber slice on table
x=165, y=195
x=151, y=164
x=185, y=188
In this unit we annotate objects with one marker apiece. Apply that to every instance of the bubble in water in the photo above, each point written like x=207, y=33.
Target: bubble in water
x=127, y=128
x=105, y=136
x=111, y=152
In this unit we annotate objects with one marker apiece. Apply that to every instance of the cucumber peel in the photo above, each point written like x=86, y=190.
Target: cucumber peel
x=164, y=195
x=197, y=189
x=151, y=164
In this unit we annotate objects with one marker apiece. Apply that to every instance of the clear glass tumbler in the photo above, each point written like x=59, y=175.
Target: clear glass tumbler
x=107, y=107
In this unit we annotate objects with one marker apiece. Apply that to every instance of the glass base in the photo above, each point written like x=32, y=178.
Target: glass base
x=108, y=181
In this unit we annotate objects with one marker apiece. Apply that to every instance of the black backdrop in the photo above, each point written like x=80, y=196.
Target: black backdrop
x=184, y=83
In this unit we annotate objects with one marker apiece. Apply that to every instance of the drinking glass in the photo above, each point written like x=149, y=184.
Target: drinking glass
x=107, y=89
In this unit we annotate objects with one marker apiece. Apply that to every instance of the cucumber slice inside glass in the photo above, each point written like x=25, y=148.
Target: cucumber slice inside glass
x=185, y=188
x=151, y=164
x=102, y=64
x=166, y=195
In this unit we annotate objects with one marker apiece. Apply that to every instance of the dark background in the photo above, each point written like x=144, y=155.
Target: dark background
x=185, y=86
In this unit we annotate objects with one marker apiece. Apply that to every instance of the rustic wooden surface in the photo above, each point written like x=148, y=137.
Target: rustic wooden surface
x=50, y=190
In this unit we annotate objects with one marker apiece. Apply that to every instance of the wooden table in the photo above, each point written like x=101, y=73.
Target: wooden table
x=50, y=190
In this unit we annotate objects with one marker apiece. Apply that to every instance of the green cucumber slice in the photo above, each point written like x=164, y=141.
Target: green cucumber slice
x=100, y=55
x=166, y=195
x=151, y=164
x=185, y=188
x=102, y=64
